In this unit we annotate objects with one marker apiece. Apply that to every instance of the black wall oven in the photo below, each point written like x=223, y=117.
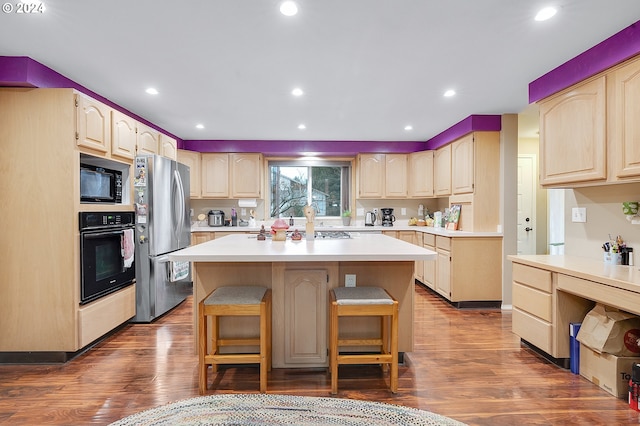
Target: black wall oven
x=106, y=253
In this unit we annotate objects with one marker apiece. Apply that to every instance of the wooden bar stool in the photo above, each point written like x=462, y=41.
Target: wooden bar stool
x=364, y=301
x=234, y=301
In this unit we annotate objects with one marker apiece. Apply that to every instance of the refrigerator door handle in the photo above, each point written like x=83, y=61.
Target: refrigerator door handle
x=179, y=204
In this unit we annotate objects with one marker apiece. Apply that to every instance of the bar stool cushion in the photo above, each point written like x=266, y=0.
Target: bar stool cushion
x=240, y=295
x=362, y=296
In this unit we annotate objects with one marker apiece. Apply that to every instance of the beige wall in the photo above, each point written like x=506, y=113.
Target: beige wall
x=604, y=217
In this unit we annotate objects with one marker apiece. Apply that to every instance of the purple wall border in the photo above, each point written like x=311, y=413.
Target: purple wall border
x=282, y=148
x=22, y=71
x=606, y=54
x=473, y=123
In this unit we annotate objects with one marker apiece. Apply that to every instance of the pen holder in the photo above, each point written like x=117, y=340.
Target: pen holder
x=612, y=258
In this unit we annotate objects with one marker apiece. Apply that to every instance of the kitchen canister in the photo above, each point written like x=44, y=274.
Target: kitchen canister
x=437, y=220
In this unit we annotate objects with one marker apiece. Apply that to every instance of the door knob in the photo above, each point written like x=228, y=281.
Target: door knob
x=528, y=229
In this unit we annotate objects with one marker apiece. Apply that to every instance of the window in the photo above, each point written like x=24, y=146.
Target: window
x=323, y=185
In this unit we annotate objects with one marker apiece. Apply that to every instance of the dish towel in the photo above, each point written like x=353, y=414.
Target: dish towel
x=127, y=247
x=179, y=271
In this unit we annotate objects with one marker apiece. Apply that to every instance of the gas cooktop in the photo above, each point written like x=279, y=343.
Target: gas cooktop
x=319, y=235
x=333, y=235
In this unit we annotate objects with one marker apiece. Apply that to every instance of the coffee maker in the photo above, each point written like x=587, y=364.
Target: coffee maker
x=387, y=217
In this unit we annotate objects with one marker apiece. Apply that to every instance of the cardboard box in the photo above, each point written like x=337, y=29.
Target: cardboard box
x=610, y=372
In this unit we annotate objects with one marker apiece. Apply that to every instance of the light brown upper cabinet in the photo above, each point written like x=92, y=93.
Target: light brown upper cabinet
x=148, y=141
x=246, y=175
x=93, y=124
x=191, y=159
x=371, y=175
x=215, y=175
x=590, y=132
x=123, y=135
x=395, y=176
x=462, y=165
x=237, y=175
x=442, y=171
x=108, y=133
x=420, y=174
x=168, y=147
x=623, y=88
x=573, y=135
x=476, y=180
x=382, y=176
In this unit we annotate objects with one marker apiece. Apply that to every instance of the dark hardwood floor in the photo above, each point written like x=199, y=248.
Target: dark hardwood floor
x=466, y=365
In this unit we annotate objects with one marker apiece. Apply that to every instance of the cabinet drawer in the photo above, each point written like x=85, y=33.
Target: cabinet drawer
x=428, y=239
x=533, y=301
x=533, y=277
x=100, y=317
x=443, y=243
x=532, y=329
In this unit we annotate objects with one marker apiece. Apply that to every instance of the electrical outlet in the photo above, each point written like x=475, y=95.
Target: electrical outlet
x=350, y=280
x=243, y=212
x=403, y=211
x=579, y=214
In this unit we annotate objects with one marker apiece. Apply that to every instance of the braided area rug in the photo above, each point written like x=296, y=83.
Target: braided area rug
x=259, y=409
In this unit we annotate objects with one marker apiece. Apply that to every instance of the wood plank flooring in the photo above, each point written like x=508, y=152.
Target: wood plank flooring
x=466, y=365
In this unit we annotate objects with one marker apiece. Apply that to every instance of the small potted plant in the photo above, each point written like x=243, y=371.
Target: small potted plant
x=346, y=217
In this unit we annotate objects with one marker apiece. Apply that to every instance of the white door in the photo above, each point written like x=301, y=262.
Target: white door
x=526, y=204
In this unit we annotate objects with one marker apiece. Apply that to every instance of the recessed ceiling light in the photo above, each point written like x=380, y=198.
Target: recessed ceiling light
x=449, y=93
x=546, y=13
x=297, y=92
x=199, y=126
x=151, y=91
x=408, y=127
x=288, y=8
x=301, y=126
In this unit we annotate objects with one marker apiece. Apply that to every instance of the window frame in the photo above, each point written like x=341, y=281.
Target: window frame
x=348, y=182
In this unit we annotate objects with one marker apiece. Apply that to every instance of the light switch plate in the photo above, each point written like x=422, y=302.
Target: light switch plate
x=579, y=214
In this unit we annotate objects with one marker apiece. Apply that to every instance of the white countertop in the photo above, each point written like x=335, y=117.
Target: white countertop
x=353, y=228
x=247, y=248
x=620, y=276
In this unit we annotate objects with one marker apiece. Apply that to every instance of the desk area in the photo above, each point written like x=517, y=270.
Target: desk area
x=300, y=274
x=549, y=292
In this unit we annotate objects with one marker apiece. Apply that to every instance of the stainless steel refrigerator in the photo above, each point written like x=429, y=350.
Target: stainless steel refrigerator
x=163, y=225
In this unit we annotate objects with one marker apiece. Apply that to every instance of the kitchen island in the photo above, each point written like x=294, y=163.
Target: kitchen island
x=300, y=274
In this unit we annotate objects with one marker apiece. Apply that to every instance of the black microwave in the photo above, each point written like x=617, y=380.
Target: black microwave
x=100, y=185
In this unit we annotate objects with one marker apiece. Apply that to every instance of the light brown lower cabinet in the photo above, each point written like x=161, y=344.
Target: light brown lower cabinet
x=542, y=314
x=532, y=296
x=199, y=237
x=468, y=270
x=100, y=317
x=305, y=309
x=429, y=267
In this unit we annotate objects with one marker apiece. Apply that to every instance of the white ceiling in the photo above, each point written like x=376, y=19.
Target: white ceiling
x=368, y=67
